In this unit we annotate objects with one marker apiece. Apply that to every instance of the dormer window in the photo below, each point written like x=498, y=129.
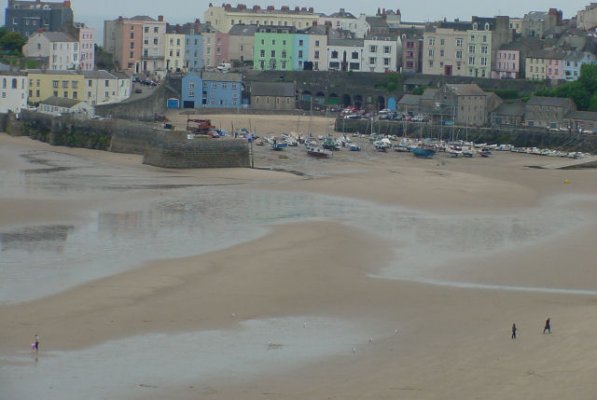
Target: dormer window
x=475, y=26
x=487, y=26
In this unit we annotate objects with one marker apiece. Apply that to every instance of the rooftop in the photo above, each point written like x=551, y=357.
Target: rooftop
x=60, y=102
x=466, y=89
x=549, y=101
x=278, y=89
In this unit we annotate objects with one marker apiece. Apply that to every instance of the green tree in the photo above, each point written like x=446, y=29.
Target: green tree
x=12, y=43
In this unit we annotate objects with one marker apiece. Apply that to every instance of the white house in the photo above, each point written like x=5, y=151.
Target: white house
x=61, y=50
x=346, y=21
x=381, y=53
x=345, y=55
x=175, y=51
x=125, y=84
x=14, y=87
x=60, y=106
x=103, y=87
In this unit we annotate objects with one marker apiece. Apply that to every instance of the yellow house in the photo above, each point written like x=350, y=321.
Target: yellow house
x=65, y=84
x=175, y=50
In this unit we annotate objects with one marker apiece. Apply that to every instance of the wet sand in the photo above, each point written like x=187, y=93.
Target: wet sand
x=317, y=306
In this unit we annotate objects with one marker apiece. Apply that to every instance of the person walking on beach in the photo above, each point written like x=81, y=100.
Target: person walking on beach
x=547, y=327
x=514, y=329
x=36, y=343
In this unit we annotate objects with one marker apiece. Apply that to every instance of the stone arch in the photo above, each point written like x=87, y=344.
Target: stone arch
x=381, y=102
x=319, y=98
x=333, y=99
x=346, y=100
x=306, y=96
x=358, y=100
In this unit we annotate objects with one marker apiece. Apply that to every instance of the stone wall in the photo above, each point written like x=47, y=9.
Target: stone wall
x=520, y=137
x=159, y=147
x=145, y=108
x=174, y=151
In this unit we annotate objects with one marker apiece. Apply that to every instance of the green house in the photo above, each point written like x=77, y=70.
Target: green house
x=274, y=48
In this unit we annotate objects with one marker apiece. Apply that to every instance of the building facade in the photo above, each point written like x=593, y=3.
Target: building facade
x=587, y=19
x=137, y=44
x=193, y=52
x=212, y=90
x=346, y=21
x=241, y=40
x=57, y=106
x=345, y=54
x=548, y=112
x=444, y=49
x=467, y=103
x=61, y=51
x=215, y=47
x=273, y=96
x=545, y=64
x=381, y=53
x=14, y=91
x=27, y=17
x=174, y=51
x=102, y=87
x=412, y=52
x=47, y=83
x=225, y=17
x=86, y=38
x=507, y=64
x=573, y=62
x=274, y=48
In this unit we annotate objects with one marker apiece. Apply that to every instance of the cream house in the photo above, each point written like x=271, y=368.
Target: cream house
x=14, y=88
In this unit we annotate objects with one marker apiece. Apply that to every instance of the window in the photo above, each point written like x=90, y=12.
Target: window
x=146, y=29
x=442, y=42
x=75, y=95
x=132, y=35
x=155, y=41
x=64, y=84
x=300, y=42
x=386, y=49
x=262, y=53
x=386, y=61
x=471, y=49
x=441, y=53
x=372, y=60
x=75, y=84
x=55, y=84
x=156, y=29
x=355, y=55
x=317, y=43
x=431, y=41
x=334, y=54
x=459, y=54
x=300, y=54
x=65, y=94
x=284, y=53
x=132, y=54
x=132, y=45
x=273, y=53
x=471, y=60
x=316, y=55
x=55, y=93
x=372, y=49
x=459, y=42
x=431, y=52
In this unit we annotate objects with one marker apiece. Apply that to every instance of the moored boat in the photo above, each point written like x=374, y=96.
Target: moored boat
x=317, y=151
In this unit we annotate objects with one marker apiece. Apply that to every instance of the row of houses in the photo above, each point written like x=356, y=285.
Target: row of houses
x=469, y=105
x=20, y=88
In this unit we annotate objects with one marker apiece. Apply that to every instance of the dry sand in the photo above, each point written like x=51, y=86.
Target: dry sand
x=451, y=343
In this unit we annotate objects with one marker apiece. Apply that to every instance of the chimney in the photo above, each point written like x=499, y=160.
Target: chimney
x=311, y=10
x=271, y=8
x=160, y=18
x=284, y=8
x=256, y=8
x=398, y=12
x=297, y=9
x=66, y=4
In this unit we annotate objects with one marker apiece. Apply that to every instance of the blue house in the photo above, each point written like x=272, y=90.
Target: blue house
x=212, y=90
x=301, y=51
x=193, y=55
x=574, y=61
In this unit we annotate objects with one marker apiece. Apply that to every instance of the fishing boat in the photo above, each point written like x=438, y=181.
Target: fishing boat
x=422, y=152
x=485, y=152
x=317, y=151
x=279, y=146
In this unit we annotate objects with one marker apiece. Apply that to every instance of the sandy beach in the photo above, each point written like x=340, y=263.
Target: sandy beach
x=366, y=276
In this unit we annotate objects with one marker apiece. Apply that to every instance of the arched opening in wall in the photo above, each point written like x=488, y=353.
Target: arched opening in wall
x=381, y=102
x=333, y=99
x=306, y=96
x=346, y=101
x=319, y=98
x=358, y=101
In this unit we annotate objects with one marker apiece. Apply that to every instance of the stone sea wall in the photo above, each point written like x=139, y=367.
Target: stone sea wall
x=519, y=137
x=159, y=147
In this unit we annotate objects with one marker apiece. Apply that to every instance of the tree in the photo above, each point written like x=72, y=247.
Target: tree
x=12, y=43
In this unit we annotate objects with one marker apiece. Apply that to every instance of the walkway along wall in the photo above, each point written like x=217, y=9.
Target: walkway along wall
x=159, y=147
x=145, y=108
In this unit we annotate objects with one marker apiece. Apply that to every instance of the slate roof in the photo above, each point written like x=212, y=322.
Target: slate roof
x=58, y=37
x=101, y=74
x=221, y=76
x=243, y=30
x=278, y=89
x=516, y=108
x=410, y=100
x=61, y=102
x=346, y=42
x=582, y=115
x=467, y=89
x=549, y=101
